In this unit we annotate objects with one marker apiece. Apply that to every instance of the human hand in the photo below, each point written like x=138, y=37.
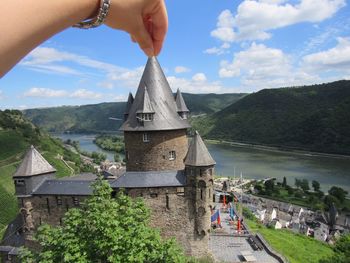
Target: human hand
x=145, y=20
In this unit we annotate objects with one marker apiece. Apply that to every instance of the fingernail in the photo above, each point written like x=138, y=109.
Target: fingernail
x=149, y=52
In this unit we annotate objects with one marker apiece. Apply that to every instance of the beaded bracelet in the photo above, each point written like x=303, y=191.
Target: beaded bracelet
x=99, y=19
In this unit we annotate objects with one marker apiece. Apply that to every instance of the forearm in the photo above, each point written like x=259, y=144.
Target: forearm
x=25, y=24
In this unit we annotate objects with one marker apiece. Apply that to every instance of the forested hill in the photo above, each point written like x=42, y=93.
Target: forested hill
x=95, y=118
x=313, y=117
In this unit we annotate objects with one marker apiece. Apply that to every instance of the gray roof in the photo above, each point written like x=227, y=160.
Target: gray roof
x=145, y=105
x=180, y=103
x=129, y=103
x=150, y=179
x=64, y=187
x=161, y=100
x=13, y=235
x=33, y=164
x=198, y=154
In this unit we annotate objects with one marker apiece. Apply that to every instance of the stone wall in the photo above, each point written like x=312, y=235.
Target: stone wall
x=173, y=212
x=38, y=210
x=154, y=155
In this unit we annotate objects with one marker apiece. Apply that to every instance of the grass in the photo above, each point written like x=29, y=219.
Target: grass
x=295, y=247
x=12, y=143
x=8, y=201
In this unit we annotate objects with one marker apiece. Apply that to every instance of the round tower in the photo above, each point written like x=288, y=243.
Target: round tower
x=199, y=171
x=155, y=127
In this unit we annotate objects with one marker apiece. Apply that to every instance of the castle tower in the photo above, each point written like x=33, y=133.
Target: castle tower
x=199, y=171
x=155, y=128
x=33, y=170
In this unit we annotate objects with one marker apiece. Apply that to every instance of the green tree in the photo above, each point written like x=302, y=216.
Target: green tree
x=117, y=157
x=338, y=192
x=297, y=182
x=104, y=230
x=315, y=185
x=304, y=185
x=329, y=199
x=284, y=183
x=341, y=251
x=269, y=186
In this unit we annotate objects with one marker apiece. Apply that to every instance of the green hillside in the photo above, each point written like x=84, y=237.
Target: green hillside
x=314, y=117
x=95, y=118
x=16, y=135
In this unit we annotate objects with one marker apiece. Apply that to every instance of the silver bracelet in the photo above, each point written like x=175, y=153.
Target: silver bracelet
x=99, y=19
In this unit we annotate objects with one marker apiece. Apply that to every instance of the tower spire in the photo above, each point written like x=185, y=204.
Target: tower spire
x=198, y=154
x=154, y=93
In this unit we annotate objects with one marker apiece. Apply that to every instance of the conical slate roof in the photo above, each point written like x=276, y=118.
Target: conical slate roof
x=198, y=154
x=180, y=103
x=161, y=100
x=129, y=103
x=33, y=164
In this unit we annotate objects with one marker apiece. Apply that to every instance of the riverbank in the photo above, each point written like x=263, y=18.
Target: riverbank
x=279, y=149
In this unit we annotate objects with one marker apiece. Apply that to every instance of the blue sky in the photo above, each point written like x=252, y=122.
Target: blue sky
x=215, y=46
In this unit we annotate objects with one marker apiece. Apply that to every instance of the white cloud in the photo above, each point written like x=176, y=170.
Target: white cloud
x=51, y=60
x=218, y=50
x=255, y=18
x=45, y=93
x=85, y=94
x=181, y=69
x=263, y=67
x=1, y=95
x=55, y=93
x=334, y=59
x=199, y=77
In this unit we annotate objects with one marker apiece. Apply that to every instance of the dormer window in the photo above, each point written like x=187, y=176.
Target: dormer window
x=145, y=117
x=183, y=115
x=19, y=182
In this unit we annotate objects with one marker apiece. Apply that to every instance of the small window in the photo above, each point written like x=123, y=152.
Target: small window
x=153, y=195
x=76, y=201
x=172, y=155
x=59, y=200
x=167, y=202
x=145, y=137
x=19, y=182
x=184, y=115
x=180, y=190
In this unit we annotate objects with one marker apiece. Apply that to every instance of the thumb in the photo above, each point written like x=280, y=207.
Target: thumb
x=144, y=39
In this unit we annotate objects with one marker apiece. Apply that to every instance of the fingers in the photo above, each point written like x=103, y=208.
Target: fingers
x=144, y=39
x=159, y=27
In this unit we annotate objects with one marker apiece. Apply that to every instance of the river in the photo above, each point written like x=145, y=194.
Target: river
x=259, y=163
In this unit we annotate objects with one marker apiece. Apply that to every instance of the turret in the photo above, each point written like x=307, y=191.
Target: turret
x=128, y=106
x=199, y=170
x=33, y=170
x=182, y=109
x=154, y=133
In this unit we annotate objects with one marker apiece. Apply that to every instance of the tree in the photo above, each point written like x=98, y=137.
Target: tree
x=304, y=184
x=338, y=192
x=269, y=186
x=315, y=185
x=329, y=199
x=104, y=230
x=341, y=251
x=284, y=183
x=297, y=182
x=116, y=157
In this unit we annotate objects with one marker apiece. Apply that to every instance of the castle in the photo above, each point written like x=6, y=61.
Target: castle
x=175, y=179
